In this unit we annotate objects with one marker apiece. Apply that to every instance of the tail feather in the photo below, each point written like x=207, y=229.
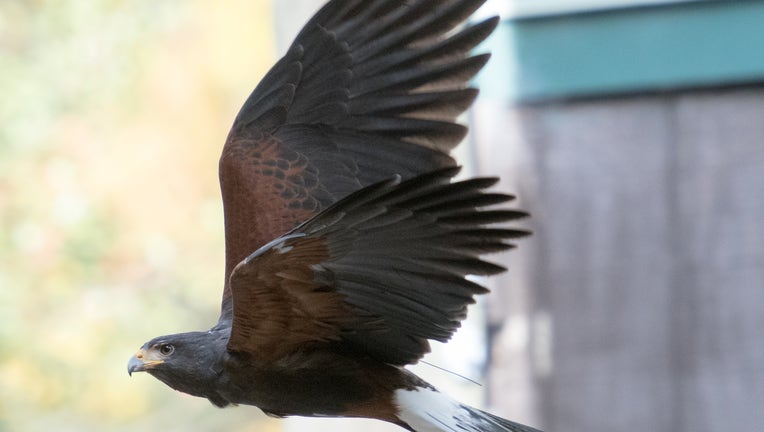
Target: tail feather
x=428, y=410
x=496, y=423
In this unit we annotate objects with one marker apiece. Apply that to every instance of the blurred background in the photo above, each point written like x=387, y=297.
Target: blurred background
x=632, y=131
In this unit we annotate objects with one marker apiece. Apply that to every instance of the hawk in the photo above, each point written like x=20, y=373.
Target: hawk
x=347, y=240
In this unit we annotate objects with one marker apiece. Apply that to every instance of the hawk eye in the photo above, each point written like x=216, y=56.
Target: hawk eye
x=166, y=349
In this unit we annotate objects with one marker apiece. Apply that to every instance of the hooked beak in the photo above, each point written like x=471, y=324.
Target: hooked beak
x=142, y=361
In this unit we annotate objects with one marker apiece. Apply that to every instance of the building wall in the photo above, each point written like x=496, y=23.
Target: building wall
x=638, y=302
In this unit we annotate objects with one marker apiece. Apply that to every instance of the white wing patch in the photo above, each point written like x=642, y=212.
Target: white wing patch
x=279, y=244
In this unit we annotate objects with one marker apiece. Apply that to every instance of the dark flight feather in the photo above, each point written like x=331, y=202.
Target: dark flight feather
x=368, y=89
x=395, y=269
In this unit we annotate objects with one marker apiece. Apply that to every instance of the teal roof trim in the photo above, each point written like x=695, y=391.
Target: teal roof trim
x=655, y=48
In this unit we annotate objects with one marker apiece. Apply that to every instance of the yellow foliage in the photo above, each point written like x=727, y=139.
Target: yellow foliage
x=113, y=116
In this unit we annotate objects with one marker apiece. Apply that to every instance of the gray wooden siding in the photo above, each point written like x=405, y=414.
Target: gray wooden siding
x=639, y=302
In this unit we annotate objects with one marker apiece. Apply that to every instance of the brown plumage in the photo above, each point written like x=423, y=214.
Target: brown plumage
x=368, y=89
x=347, y=243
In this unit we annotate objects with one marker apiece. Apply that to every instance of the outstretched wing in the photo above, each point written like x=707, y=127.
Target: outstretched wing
x=369, y=88
x=381, y=271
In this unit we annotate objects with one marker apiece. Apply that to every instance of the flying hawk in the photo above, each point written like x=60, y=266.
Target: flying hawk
x=347, y=241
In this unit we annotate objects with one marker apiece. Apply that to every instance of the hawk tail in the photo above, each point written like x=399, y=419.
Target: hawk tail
x=425, y=409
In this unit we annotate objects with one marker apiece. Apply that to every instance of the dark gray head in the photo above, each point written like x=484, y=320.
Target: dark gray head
x=188, y=362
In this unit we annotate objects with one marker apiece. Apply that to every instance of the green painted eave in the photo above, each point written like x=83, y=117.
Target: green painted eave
x=640, y=49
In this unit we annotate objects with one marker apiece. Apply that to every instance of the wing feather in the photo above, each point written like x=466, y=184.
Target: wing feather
x=368, y=89
x=382, y=271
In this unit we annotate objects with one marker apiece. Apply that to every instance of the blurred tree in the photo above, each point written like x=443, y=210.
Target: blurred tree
x=112, y=117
